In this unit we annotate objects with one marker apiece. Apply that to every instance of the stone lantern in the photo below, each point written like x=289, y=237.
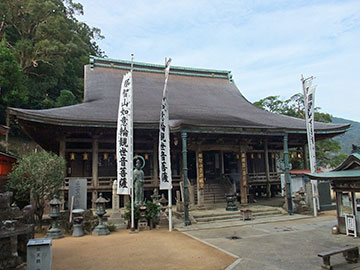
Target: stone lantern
x=54, y=232
x=101, y=229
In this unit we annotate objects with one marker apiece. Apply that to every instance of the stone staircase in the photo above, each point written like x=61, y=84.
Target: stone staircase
x=214, y=193
x=221, y=215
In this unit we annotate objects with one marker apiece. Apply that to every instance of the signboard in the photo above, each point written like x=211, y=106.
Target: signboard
x=201, y=170
x=350, y=223
x=78, y=189
x=346, y=203
x=243, y=169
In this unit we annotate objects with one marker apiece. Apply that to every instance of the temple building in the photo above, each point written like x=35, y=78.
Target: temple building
x=220, y=142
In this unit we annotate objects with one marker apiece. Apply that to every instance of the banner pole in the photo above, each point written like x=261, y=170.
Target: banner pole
x=312, y=161
x=170, y=210
x=132, y=184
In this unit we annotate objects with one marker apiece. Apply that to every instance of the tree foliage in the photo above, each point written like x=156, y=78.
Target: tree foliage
x=12, y=89
x=328, y=152
x=42, y=175
x=50, y=46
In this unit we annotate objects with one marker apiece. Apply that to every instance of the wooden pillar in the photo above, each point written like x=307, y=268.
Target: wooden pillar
x=200, y=176
x=95, y=176
x=243, y=176
x=287, y=175
x=267, y=169
x=62, y=148
x=221, y=160
x=305, y=157
x=185, y=172
x=62, y=151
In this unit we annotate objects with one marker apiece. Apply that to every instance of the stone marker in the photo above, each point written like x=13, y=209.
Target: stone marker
x=115, y=217
x=78, y=189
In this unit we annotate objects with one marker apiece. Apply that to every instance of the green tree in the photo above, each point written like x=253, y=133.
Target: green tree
x=40, y=174
x=12, y=89
x=328, y=152
x=50, y=45
x=66, y=98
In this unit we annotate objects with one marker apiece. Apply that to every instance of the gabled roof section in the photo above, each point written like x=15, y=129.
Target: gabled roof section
x=348, y=170
x=198, y=99
x=352, y=162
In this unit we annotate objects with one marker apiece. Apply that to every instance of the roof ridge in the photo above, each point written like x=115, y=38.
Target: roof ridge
x=156, y=68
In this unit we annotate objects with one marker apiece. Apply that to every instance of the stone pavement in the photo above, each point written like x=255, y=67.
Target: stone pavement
x=278, y=244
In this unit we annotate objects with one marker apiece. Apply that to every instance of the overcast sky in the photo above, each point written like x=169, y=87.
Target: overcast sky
x=267, y=45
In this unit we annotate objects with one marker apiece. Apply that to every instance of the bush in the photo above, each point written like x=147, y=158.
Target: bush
x=41, y=174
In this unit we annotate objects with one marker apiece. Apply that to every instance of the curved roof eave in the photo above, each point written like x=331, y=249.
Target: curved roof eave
x=175, y=125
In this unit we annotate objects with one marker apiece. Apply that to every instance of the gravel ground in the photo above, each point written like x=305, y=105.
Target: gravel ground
x=154, y=249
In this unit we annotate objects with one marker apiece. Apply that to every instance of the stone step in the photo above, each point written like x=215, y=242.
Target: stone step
x=235, y=215
x=232, y=213
x=230, y=218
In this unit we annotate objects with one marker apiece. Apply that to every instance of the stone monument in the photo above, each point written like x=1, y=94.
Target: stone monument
x=115, y=216
x=78, y=189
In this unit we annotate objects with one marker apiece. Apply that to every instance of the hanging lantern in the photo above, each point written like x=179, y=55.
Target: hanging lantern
x=176, y=141
x=237, y=156
x=105, y=156
x=292, y=155
x=272, y=155
x=72, y=156
x=259, y=155
x=146, y=156
x=299, y=155
x=85, y=156
x=252, y=155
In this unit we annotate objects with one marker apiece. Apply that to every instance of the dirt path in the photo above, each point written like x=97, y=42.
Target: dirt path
x=155, y=249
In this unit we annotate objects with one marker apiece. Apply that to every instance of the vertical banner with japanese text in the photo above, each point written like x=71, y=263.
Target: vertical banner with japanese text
x=309, y=104
x=309, y=98
x=124, y=137
x=164, y=137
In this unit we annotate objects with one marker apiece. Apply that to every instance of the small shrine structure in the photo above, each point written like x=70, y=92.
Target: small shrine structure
x=345, y=181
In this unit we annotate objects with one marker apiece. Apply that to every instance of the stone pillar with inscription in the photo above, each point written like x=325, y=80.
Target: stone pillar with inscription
x=116, y=217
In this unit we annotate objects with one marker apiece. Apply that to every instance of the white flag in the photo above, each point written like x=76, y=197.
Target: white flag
x=124, y=137
x=309, y=102
x=164, y=137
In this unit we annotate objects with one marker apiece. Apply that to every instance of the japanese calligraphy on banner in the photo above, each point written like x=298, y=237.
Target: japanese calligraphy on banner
x=164, y=136
x=124, y=137
x=309, y=102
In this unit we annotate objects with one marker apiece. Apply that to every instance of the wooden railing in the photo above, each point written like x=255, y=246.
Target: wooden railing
x=105, y=182
x=260, y=178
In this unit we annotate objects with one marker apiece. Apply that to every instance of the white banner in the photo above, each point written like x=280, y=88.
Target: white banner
x=164, y=137
x=124, y=137
x=309, y=97
x=309, y=103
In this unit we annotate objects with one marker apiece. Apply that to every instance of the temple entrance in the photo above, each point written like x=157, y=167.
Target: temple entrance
x=212, y=166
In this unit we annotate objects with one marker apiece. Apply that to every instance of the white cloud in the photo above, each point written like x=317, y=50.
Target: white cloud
x=266, y=44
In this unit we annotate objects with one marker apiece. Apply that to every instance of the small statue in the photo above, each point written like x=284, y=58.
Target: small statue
x=138, y=183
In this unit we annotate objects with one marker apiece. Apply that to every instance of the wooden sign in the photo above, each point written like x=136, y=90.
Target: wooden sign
x=350, y=223
x=201, y=170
